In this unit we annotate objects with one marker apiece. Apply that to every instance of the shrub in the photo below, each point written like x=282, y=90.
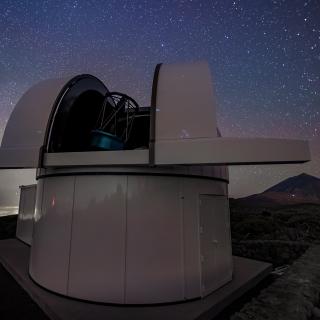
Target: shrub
x=293, y=296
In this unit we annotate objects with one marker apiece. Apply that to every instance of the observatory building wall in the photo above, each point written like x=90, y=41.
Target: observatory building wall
x=130, y=238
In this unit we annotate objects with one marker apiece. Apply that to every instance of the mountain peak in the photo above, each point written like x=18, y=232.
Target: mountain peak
x=306, y=175
x=303, y=188
x=303, y=174
x=301, y=181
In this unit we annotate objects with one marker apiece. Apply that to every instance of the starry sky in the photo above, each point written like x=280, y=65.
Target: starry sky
x=264, y=56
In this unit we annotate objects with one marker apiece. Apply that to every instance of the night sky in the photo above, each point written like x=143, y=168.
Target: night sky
x=264, y=56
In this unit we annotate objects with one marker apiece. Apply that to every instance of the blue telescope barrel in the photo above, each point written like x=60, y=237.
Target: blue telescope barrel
x=105, y=141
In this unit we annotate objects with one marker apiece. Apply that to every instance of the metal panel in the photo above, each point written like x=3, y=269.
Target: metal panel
x=26, y=127
x=95, y=158
x=185, y=170
x=26, y=213
x=49, y=258
x=154, y=263
x=20, y=212
x=192, y=188
x=231, y=151
x=97, y=260
x=215, y=243
x=179, y=139
x=184, y=99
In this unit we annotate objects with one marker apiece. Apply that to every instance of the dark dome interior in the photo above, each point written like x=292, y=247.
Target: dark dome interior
x=77, y=113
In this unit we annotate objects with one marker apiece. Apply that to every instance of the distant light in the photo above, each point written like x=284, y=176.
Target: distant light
x=184, y=134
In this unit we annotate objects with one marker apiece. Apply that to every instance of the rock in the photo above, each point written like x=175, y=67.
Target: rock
x=316, y=313
x=292, y=296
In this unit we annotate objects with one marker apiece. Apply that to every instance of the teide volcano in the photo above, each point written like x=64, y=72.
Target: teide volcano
x=303, y=188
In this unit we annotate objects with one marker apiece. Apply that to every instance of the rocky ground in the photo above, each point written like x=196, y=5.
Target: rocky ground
x=295, y=295
x=283, y=236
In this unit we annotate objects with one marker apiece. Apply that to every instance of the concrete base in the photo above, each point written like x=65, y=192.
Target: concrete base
x=14, y=256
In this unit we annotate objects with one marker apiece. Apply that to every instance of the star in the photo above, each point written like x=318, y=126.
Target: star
x=264, y=60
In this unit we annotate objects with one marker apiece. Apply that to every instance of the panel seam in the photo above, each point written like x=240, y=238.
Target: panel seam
x=125, y=245
x=71, y=229
x=183, y=237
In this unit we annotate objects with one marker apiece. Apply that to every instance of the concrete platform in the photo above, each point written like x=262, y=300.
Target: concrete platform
x=14, y=256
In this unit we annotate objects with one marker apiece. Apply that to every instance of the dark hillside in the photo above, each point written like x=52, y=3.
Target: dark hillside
x=276, y=235
x=295, y=190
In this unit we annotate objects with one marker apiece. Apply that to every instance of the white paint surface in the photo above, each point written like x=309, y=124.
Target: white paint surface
x=26, y=213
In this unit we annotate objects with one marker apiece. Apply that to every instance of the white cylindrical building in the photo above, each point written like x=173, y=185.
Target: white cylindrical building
x=131, y=203
x=130, y=235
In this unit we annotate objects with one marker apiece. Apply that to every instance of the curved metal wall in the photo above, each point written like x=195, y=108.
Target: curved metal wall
x=130, y=239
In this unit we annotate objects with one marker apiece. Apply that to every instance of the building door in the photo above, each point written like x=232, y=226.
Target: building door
x=215, y=242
